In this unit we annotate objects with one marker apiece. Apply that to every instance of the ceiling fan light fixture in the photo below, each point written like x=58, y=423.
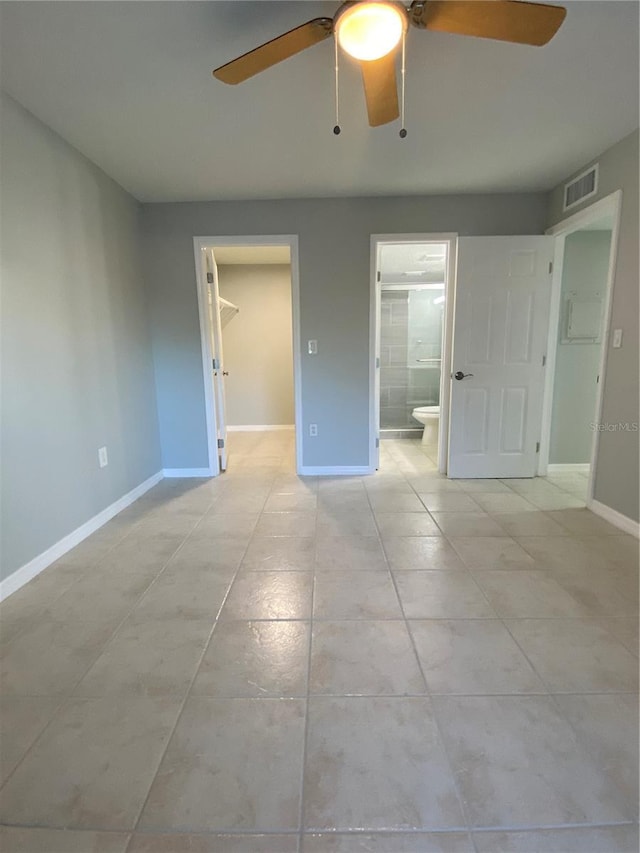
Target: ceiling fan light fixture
x=369, y=31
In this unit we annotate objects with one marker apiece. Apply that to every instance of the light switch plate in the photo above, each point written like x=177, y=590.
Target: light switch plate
x=617, y=338
x=103, y=459
x=312, y=348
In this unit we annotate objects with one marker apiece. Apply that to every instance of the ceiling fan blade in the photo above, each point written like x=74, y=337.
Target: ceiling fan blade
x=274, y=51
x=505, y=20
x=381, y=89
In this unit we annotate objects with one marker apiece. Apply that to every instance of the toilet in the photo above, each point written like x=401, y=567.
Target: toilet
x=430, y=417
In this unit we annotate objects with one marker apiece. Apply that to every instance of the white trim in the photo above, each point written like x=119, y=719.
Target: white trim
x=259, y=427
x=628, y=525
x=171, y=473
x=335, y=470
x=569, y=468
x=374, y=340
x=38, y=564
x=447, y=353
x=609, y=205
x=290, y=240
x=374, y=355
x=592, y=213
x=552, y=351
x=207, y=361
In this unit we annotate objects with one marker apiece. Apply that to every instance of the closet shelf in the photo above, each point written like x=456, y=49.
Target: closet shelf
x=227, y=311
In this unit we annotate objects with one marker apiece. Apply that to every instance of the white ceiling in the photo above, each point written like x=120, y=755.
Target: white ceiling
x=130, y=85
x=232, y=255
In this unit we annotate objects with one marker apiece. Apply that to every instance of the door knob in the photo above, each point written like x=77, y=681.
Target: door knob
x=460, y=375
x=225, y=372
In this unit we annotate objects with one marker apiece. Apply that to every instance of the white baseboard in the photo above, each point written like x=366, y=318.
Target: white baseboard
x=568, y=468
x=29, y=571
x=335, y=471
x=628, y=525
x=170, y=473
x=259, y=427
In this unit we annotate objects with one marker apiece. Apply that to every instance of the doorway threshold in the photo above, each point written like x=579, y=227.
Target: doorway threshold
x=401, y=433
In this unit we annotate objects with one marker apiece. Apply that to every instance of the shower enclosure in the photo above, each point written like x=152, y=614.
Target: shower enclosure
x=411, y=333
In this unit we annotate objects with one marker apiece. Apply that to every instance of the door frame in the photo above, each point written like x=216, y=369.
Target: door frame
x=200, y=243
x=609, y=205
x=215, y=340
x=451, y=239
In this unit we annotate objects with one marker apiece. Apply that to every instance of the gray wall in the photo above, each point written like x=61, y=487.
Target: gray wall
x=76, y=351
x=258, y=344
x=616, y=476
x=584, y=275
x=334, y=237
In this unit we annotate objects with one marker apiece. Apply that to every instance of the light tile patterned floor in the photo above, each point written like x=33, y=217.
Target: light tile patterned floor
x=264, y=664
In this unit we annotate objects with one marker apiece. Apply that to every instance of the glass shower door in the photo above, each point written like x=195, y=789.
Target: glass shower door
x=410, y=352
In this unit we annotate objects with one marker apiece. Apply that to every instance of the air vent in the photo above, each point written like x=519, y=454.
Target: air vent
x=581, y=188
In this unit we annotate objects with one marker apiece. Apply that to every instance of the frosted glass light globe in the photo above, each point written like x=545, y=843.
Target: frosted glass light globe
x=370, y=30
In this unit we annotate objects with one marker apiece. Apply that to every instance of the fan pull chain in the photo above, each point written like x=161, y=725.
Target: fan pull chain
x=336, y=129
x=403, y=130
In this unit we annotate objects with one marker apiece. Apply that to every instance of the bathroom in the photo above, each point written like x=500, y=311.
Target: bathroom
x=412, y=316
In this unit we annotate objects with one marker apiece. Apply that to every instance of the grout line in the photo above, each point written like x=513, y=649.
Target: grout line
x=83, y=572
x=187, y=694
x=352, y=833
x=584, y=743
x=65, y=698
x=553, y=826
x=543, y=681
x=328, y=695
x=305, y=740
x=69, y=696
x=472, y=839
x=227, y=621
x=454, y=780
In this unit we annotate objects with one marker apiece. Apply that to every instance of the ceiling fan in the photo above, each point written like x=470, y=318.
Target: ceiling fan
x=370, y=32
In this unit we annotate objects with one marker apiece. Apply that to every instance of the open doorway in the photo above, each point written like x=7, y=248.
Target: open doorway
x=248, y=300
x=578, y=335
x=412, y=333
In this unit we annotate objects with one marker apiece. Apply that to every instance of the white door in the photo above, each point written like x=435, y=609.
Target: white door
x=218, y=371
x=500, y=333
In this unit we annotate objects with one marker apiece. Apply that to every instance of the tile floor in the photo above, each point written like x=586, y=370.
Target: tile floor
x=399, y=663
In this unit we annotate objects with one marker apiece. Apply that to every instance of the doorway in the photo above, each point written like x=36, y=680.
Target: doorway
x=411, y=335
x=248, y=297
x=584, y=265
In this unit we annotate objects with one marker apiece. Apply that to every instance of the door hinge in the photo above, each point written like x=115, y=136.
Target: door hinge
x=377, y=362
x=537, y=447
x=209, y=278
x=378, y=276
x=377, y=442
x=214, y=363
x=597, y=379
x=550, y=267
x=544, y=360
x=220, y=443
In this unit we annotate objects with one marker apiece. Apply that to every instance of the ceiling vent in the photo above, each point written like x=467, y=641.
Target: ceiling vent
x=581, y=188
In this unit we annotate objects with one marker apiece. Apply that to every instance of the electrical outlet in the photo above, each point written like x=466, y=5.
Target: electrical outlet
x=103, y=459
x=313, y=430
x=617, y=338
